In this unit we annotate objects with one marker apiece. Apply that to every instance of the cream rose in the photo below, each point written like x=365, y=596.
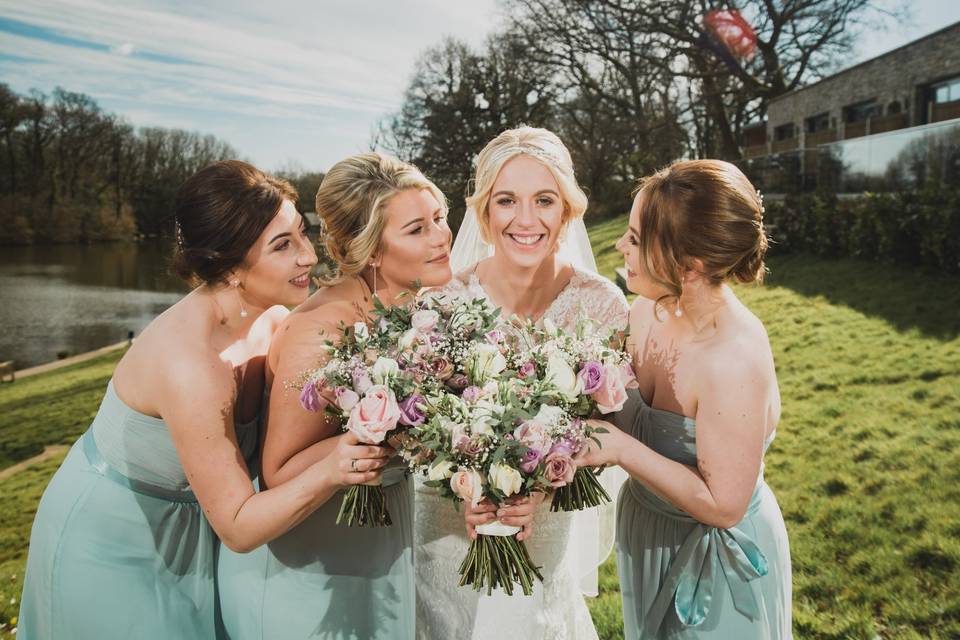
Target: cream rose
x=505, y=479
x=563, y=377
x=440, y=471
x=468, y=484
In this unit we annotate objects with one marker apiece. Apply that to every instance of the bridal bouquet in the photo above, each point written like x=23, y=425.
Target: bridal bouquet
x=376, y=378
x=367, y=391
x=514, y=429
x=583, y=374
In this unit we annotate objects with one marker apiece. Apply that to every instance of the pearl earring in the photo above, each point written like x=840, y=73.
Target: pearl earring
x=235, y=283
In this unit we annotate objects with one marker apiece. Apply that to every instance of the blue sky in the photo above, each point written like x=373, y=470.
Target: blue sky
x=290, y=83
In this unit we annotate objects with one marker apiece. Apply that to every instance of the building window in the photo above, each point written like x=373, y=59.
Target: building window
x=784, y=132
x=948, y=91
x=862, y=111
x=819, y=122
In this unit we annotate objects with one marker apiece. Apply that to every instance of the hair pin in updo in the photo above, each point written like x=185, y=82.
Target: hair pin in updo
x=762, y=209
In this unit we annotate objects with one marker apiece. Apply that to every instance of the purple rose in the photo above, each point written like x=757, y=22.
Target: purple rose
x=472, y=393
x=527, y=369
x=310, y=397
x=410, y=412
x=591, y=376
x=530, y=460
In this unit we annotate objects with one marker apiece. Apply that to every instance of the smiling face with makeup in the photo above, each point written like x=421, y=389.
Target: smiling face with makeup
x=277, y=267
x=525, y=212
x=415, y=245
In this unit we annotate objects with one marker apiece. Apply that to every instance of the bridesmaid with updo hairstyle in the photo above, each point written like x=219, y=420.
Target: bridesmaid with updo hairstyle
x=702, y=548
x=126, y=534
x=386, y=230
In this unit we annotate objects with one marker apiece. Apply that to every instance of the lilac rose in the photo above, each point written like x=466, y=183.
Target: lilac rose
x=591, y=376
x=530, y=460
x=527, y=369
x=410, y=412
x=310, y=397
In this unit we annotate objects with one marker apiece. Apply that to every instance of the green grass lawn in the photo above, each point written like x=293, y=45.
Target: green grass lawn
x=866, y=464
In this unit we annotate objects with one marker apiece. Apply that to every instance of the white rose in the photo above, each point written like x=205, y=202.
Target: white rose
x=563, y=377
x=440, y=471
x=505, y=478
x=486, y=362
x=384, y=369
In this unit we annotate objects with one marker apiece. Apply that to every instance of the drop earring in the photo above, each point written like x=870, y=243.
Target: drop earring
x=235, y=283
x=374, y=280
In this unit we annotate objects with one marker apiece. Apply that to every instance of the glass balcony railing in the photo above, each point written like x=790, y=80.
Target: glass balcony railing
x=900, y=159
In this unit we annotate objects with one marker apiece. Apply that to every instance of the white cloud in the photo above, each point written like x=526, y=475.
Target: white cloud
x=124, y=49
x=332, y=69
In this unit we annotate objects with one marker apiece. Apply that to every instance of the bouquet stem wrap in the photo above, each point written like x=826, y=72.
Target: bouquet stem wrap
x=497, y=559
x=584, y=492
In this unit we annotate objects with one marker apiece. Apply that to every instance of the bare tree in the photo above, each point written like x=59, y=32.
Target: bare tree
x=634, y=46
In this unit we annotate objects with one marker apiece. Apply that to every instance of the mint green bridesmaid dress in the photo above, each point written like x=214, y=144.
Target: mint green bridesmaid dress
x=325, y=581
x=120, y=548
x=683, y=579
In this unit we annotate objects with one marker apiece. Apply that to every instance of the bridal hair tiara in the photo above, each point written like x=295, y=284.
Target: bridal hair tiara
x=555, y=158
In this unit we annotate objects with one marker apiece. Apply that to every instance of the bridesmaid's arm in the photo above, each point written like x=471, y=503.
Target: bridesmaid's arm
x=198, y=406
x=294, y=437
x=731, y=425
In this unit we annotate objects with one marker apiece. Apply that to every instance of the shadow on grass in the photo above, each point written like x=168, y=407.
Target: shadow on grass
x=906, y=297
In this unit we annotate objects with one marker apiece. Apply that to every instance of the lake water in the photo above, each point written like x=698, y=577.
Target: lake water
x=76, y=298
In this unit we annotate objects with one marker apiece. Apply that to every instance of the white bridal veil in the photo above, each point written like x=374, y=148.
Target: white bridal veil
x=592, y=531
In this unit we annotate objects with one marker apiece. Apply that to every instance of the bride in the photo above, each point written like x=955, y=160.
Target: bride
x=524, y=247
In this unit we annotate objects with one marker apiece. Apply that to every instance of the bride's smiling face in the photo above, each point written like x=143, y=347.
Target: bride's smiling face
x=526, y=212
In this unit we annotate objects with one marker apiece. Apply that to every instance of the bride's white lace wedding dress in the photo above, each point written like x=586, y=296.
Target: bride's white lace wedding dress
x=556, y=610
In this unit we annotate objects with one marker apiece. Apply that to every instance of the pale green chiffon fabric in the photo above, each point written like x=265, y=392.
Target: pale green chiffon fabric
x=119, y=546
x=680, y=578
x=326, y=581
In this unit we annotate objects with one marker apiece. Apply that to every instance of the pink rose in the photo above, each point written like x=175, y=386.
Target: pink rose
x=375, y=415
x=629, y=378
x=559, y=469
x=612, y=393
x=425, y=320
x=468, y=484
x=533, y=434
x=346, y=398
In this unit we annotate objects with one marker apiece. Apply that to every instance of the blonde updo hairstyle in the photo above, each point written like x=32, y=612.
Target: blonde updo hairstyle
x=541, y=145
x=351, y=202
x=703, y=210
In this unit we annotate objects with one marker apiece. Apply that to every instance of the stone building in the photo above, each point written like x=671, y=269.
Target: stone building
x=912, y=85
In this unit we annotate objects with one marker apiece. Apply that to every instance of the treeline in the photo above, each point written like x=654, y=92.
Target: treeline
x=69, y=171
x=629, y=86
